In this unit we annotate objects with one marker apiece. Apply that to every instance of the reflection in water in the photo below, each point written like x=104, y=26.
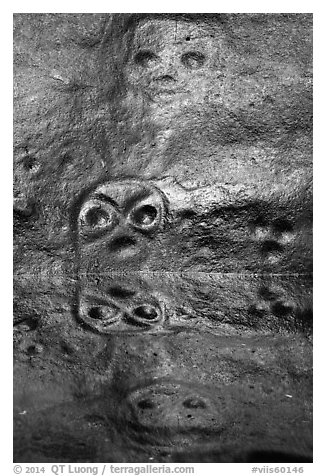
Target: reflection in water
x=142, y=367
x=216, y=303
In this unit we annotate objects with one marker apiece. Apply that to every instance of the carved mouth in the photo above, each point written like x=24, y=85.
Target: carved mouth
x=100, y=317
x=163, y=91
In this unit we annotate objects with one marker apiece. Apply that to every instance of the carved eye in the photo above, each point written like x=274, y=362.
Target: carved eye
x=193, y=59
x=145, y=216
x=97, y=217
x=146, y=315
x=100, y=315
x=146, y=58
x=146, y=211
x=103, y=313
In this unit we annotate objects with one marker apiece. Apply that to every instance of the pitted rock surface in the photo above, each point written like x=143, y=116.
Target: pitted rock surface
x=163, y=237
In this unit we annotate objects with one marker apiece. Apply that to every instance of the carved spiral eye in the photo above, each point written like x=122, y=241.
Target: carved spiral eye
x=193, y=59
x=145, y=216
x=146, y=315
x=146, y=58
x=100, y=315
x=96, y=313
x=105, y=315
x=97, y=217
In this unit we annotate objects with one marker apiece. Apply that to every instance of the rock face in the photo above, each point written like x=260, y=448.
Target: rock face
x=163, y=237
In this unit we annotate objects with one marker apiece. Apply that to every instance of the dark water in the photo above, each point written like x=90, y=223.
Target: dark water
x=162, y=367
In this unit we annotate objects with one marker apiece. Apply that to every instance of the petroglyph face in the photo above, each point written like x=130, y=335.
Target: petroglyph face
x=114, y=303
x=133, y=204
x=173, y=59
x=171, y=392
x=117, y=222
x=217, y=304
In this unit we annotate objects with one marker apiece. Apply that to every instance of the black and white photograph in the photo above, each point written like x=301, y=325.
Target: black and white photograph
x=162, y=240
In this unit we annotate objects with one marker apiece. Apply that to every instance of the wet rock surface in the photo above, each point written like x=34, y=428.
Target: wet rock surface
x=163, y=238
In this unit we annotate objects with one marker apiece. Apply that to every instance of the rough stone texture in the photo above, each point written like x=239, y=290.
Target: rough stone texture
x=163, y=237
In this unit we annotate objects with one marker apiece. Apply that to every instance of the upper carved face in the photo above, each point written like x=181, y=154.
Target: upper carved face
x=174, y=58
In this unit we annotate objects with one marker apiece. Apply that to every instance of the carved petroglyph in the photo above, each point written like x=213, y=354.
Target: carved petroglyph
x=162, y=225
x=117, y=223
x=219, y=304
x=106, y=315
x=175, y=60
x=273, y=237
x=177, y=406
x=130, y=204
x=97, y=217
